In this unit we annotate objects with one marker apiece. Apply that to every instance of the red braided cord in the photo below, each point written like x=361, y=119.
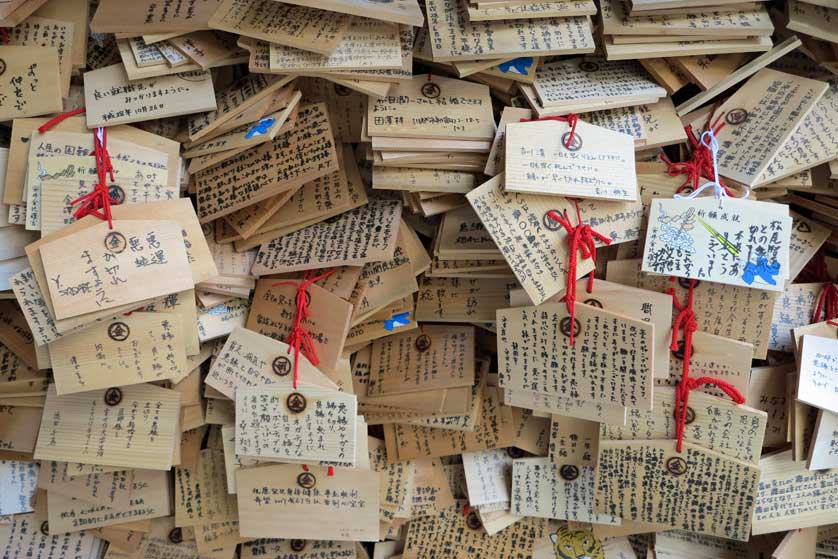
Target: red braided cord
x=299, y=339
x=686, y=320
x=571, y=118
x=700, y=164
x=580, y=237
x=98, y=201
x=58, y=119
x=815, y=270
x=827, y=303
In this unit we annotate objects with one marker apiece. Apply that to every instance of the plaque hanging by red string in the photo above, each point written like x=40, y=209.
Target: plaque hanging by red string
x=701, y=162
x=685, y=320
x=300, y=339
x=571, y=119
x=581, y=238
x=98, y=201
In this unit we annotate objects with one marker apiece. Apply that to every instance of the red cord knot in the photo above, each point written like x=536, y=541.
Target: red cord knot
x=571, y=118
x=685, y=320
x=827, y=303
x=300, y=339
x=700, y=163
x=581, y=237
x=466, y=509
x=98, y=201
x=4, y=36
x=815, y=270
x=58, y=119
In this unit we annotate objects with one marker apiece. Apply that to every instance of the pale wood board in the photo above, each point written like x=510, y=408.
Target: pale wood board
x=809, y=498
x=153, y=348
x=537, y=10
x=338, y=520
x=717, y=24
x=32, y=81
x=459, y=39
x=172, y=96
x=772, y=127
x=66, y=438
x=660, y=496
x=428, y=100
x=143, y=273
x=300, y=27
x=693, y=48
x=534, y=368
x=743, y=73
x=406, y=12
x=114, y=16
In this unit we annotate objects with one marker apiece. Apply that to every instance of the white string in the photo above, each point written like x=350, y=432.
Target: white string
x=713, y=145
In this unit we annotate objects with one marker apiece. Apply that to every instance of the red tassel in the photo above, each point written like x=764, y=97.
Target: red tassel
x=827, y=303
x=579, y=237
x=299, y=339
x=700, y=164
x=98, y=201
x=686, y=320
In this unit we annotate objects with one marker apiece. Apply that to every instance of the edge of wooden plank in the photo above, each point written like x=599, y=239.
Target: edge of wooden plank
x=739, y=75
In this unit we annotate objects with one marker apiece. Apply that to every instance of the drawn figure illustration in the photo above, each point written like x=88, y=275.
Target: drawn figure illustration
x=762, y=270
x=576, y=544
x=260, y=127
x=520, y=65
x=675, y=230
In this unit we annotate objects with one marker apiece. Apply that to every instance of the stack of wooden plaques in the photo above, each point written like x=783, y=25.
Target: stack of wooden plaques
x=370, y=57
x=694, y=31
x=577, y=86
x=582, y=85
x=813, y=18
x=234, y=282
x=492, y=10
x=500, y=44
x=390, y=279
x=464, y=249
x=152, y=55
x=430, y=136
x=14, y=12
x=272, y=110
x=522, y=68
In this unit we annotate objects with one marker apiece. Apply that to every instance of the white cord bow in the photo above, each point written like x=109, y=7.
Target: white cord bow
x=708, y=140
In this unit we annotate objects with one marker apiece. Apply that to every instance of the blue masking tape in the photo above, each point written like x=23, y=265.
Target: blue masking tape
x=260, y=128
x=519, y=65
x=400, y=319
